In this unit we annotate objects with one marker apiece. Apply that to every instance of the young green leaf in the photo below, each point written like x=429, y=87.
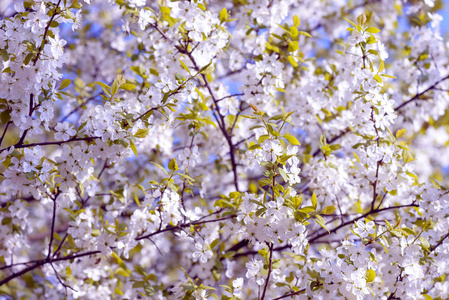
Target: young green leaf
x=292, y=139
x=64, y=83
x=314, y=201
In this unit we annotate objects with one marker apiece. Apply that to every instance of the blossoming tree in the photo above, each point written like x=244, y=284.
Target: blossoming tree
x=207, y=149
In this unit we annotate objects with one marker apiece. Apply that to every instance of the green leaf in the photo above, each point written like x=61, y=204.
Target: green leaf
x=214, y=243
x=264, y=253
x=370, y=275
x=352, y=23
x=292, y=61
x=172, y=165
x=297, y=201
x=133, y=147
x=372, y=51
x=361, y=19
x=292, y=139
x=381, y=66
x=335, y=147
x=65, y=83
x=185, y=177
x=165, y=10
x=28, y=58
x=5, y=54
x=307, y=209
x=377, y=78
x=314, y=200
x=388, y=76
x=123, y=143
x=407, y=157
x=184, y=66
x=283, y=174
x=138, y=284
x=141, y=133
x=114, y=87
x=5, y=116
x=424, y=243
x=207, y=69
x=385, y=247
x=296, y=21
x=128, y=86
x=6, y=221
x=106, y=89
x=249, y=117
x=160, y=167
x=305, y=33
x=293, y=31
x=223, y=15
x=372, y=29
x=104, y=85
x=328, y=210
x=300, y=215
x=320, y=221
x=400, y=133
x=54, y=24
x=255, y=146
x=371, y=40
x=293, y=46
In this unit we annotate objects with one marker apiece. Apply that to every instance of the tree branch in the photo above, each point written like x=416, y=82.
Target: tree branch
x=4, y=132
x=42, y=262
x=170, y=228
x=439, y=243
x=269, y=272
x=17, y=146
x=416, y=97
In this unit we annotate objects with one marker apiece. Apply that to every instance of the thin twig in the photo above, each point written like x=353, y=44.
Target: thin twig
x=60, y=280
x=439, y=243
x=170, y=228
x=269, y=271
x=4, y=132
x=17, y=146
x=53, y=220
x=416, y=97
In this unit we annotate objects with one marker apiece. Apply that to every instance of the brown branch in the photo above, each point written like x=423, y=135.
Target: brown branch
x=147, y=112
x=313, y=239
x=221, y=125
x=230, y=73
x=220, y=119
x=53, y=220
x=39, y=263
x=291, y=294
x=269, y=272
x=17, y=146
x=439, y=243
x=45, y=33
x=22, y=138
x=230, y=96
x=78, y=107
x=378, y=163
x=375, y=211
x=60, y=280
x=32, y=107
x=416, y=97
x=60, y=245
x=4, y=132
x=244, y=140
x=170, y=228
